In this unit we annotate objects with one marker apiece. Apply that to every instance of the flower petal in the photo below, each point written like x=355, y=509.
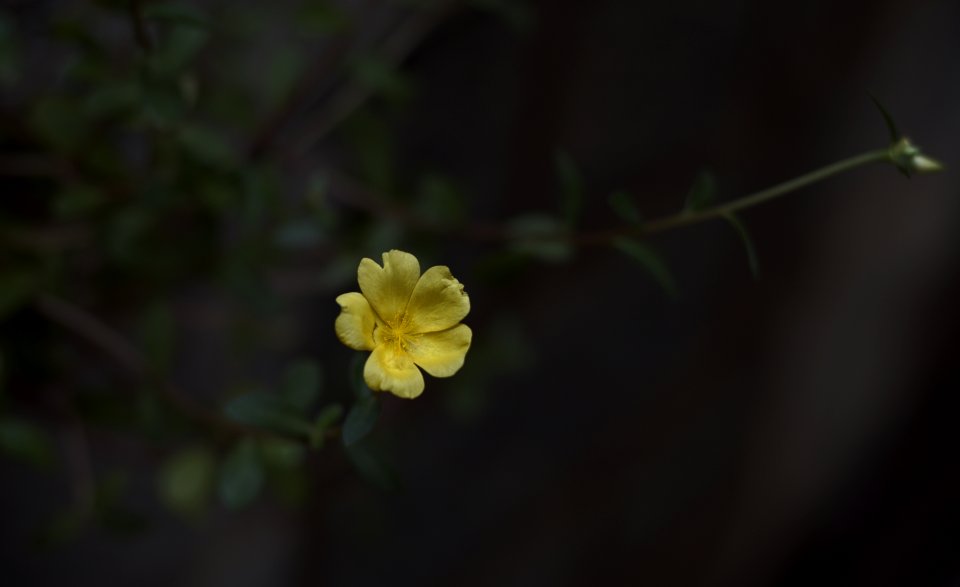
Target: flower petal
x=354, y=325
x=438, y=301
x=388, y=370
x=441, y=353
x=388, y=288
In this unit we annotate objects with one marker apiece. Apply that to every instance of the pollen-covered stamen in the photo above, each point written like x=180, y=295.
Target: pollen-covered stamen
x=397, y=333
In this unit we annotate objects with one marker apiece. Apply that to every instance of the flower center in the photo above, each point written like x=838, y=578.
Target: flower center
x=396, y=333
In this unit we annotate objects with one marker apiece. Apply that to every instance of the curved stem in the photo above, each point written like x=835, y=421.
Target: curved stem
x=687, y=217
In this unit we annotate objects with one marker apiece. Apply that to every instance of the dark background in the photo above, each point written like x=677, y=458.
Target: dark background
x=795, y=429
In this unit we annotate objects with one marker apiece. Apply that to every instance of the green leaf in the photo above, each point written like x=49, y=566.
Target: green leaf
x=516, y=13
x=17, y=287
x=360, y=420
x=302, y=382
x=380, y=76
x=541, y=237
x=373, y=468
x=571, y=188
x=702, y=193
x=272, y=412
x=650, y=260
x=185, y=481
x=744, y=235
x=327, y=417
x=298, y=234
x=624, y=206
x=206, y=146
x=321, y=17
x=9, y=52
x=176, y=13
x=357, y=384
x=77, y=199
x=59, y=122
x=25, y=441
x=113, y=99
x=439, y=201
x=158, y=335
x=177, y=51
x=279, y=453
x=241, y=476
x=887, y=119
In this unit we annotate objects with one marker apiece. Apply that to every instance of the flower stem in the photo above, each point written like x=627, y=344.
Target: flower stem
x=689, y=217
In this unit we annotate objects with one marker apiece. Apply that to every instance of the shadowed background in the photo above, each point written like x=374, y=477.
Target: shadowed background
x=795, y=429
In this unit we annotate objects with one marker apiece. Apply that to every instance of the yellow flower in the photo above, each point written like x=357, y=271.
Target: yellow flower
x=407, y=320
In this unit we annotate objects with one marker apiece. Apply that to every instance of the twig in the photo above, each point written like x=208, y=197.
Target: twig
x=140, y=32
x=125, y=354
x=395, y=49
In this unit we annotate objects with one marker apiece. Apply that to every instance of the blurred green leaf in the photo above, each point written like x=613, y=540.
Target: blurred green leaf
x=59, y=122
x=357, y=383
x=541, y=237
x=185, y=481
x=112, y=99
x=207, y=146
x=744, y=235
x=625, y=207
x=176, y=51
x=268, y=411
x=571, y=187
x=157, y=331
x=887, y=119
x=17, y=287
x=280, y=453
x=180, y=13
x=77, y=199
x=702, y=193
x=518, y=14
x=302, y=383
x=26, y=442
x=298, y=234
x=360, y=420
x=327, y=417
x=9, y=51
x=373, y=145
x=321, y=17
x=381, y=76
x=285, y=68
x=241, y=475
x=439, y=201
x=373, y=468
x=649, y=260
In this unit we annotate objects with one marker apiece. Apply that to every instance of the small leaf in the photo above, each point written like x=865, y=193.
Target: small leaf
x=185, y=481
x=650, y=260
x=623, y=205
x=327, y=417
x=16, y=289
x=279, y=453
x=360, y=421
x=541, y=237
x=176, y=13
x=571, y=187
x=241, y=476
x=887, y=119
x=26, y=442
x=301, y=383
x=158, y=335
x=372, y=468
x=206, y=146
x=702, y=193
x=744, y=235
x=321, y=18
x=264, y=410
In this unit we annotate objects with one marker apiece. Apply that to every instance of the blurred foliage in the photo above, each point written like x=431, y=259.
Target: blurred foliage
x=181, y=181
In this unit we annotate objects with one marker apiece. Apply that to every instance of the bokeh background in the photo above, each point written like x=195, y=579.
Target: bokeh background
x=186, y=188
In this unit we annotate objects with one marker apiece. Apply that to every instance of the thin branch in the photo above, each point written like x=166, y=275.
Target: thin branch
x=139, y=23
x=395, y=49
x=127, y=356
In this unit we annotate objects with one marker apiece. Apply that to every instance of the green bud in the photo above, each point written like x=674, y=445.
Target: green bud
x=908, y=158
